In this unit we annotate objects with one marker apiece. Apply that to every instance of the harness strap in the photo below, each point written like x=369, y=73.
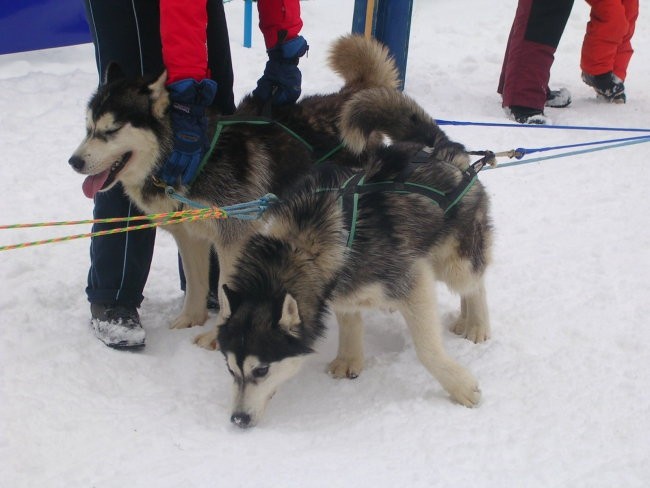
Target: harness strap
x=349, y=198
x=355, y=186
x=253, y=120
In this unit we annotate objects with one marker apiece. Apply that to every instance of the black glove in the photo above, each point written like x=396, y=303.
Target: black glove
x=189, y=99
x=281, y=80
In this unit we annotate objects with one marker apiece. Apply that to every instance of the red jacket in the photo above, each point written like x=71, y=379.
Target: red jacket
x=184, y=40
x=607, y=46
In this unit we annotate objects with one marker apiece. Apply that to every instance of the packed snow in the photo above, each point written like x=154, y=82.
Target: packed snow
x=565, y=377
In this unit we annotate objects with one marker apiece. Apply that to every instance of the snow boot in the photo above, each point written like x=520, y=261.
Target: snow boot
x=527, y=115
x=608, y=86
x=117, y=326
x=558, y=98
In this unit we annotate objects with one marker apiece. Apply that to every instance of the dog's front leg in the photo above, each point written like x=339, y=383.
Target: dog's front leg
x=421, y=315
x=195, y=253
x=227, y=258
x=349, y=359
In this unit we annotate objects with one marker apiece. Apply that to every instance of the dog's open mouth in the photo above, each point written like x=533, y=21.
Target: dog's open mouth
x=96, y=183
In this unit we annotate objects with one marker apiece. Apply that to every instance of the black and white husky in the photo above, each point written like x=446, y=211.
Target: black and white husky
x=129, y=137
x=350, y=240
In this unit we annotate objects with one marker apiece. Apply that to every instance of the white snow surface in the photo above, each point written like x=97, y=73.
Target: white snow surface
x=565, y=377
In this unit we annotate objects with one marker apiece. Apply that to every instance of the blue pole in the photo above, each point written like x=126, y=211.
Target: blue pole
x=248, y=23
x=391, y=24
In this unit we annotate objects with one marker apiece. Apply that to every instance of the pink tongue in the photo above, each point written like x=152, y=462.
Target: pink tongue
x=94, y=183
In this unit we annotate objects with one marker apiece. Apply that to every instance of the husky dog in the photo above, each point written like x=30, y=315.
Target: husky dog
x=129, y=138
x=352, y=240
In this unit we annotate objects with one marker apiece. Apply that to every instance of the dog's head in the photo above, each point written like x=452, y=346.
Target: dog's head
x=127, y=132
x=265, y=344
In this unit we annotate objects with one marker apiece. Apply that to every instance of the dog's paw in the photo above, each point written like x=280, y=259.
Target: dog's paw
x=468, y=397
x=345, y=367
x=476, y=333
x=464, y=389
x=207, y=340
x=184, y=320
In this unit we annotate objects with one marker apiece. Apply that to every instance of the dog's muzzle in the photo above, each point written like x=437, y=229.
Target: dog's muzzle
x=241, y=419
x=77, y=163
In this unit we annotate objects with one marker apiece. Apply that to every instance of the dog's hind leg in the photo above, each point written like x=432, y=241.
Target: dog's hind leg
x=462, y=275
x=349, y=358
x=474, y=322
x=195, y=253
x=421, y=315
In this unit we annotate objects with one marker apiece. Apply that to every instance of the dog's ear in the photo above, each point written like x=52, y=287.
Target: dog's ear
x=290, y=316
x=231, y=303
x=159, y=95
x=113, y=73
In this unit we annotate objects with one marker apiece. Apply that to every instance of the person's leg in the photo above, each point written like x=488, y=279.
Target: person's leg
x=608, y=31
x=604, y=34
x=537, y=29
x=219, y=59
x=504, y=65
x=119, y=263
x=625, y=51
x=125, y=32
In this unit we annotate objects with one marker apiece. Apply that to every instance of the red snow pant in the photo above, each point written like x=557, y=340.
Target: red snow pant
x=534, y=36
x=607, y=46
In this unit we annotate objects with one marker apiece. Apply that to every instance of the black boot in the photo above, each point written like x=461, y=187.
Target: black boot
x=608, y=86
x=117, y=326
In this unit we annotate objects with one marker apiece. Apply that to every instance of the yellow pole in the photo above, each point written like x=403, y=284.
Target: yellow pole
x=370, y=11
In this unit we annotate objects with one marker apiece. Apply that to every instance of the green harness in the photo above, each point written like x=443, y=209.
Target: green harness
x=254, y=120
x=355, y=186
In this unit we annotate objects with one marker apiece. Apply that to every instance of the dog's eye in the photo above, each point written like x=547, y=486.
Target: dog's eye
x=261, y=371
x=110, y=132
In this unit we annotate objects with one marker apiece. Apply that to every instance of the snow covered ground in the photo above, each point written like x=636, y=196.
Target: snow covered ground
x=565, y=378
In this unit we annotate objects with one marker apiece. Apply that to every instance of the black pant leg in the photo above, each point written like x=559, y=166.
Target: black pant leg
x=119, y=263
x=127, y=33
x=219, y=58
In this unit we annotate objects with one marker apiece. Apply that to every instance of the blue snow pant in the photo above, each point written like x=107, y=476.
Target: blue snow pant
x=128, y=32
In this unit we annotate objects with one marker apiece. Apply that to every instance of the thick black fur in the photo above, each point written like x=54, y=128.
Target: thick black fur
x=392, y=231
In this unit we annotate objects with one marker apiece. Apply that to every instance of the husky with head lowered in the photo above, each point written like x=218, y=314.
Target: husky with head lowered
x=356, y=239
x=129, y=138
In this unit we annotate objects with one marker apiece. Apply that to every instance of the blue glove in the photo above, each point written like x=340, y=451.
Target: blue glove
x=281, y=80
x=189, y=100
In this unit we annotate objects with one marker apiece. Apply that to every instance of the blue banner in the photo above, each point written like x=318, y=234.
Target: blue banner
x=26, y=25
x=389, y=21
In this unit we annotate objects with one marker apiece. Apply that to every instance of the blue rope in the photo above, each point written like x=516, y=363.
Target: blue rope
x=520, y=152
x=244, y=211
x=572, y=153
x=540, y=126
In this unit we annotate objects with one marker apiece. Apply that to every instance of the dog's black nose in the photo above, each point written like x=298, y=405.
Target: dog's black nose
x=76, y=162
x=241, y=419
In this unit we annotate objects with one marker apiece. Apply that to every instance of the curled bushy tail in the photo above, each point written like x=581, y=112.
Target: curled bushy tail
x=392, y=114
x=363, y=63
